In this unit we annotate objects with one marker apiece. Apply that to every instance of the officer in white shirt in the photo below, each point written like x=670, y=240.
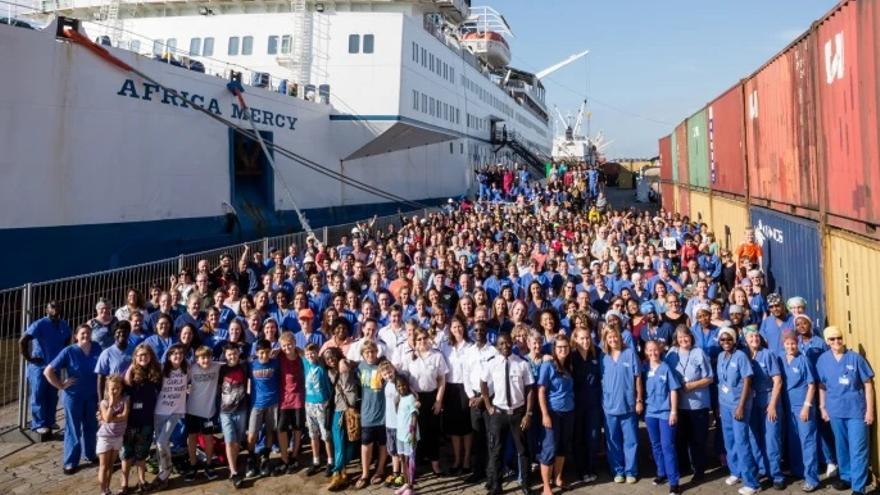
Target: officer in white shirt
x=475, y=359
x=509, y=410
x=370, y=328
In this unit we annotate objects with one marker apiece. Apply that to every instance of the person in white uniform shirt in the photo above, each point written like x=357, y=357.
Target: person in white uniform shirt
x=394, y=333
x=456, y=414
x=509, y=410
x=406, y=347
x=427, y=369
x=370, y=329
x=475, y=358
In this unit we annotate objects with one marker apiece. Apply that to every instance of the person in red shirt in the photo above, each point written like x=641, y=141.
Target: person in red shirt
x=749, y=250
x=689, y=251
x=291, y=413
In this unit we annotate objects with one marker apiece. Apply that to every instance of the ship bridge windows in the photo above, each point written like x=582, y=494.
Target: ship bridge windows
x=135, y=46
x=272, y=46
x=354, y=43
x=157, y=47
x=208, y=47
x=247, y=45
x=369, y=41
x=195, y=47
x=171, y=44
x=285, y=44
x=234, y=45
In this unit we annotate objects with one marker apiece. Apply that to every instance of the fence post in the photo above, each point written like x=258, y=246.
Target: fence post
x=24, y=402
x=425, y=213
x=324, y=234
x=179, y=264
x=265, y=248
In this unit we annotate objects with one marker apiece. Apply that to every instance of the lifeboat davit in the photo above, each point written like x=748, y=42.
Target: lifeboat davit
x=490, y=46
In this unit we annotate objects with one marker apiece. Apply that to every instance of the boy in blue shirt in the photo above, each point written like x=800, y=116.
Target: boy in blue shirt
x=317, y=397
x=264, y=378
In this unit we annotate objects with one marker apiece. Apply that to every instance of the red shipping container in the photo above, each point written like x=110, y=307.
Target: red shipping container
x=681, y=152
x=666, y=158
x=667, y=196
x=684, y=201
x=727, y=168
x=780, y=128
x=847, y=48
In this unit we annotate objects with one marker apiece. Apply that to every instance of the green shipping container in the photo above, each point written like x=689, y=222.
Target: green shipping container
x=698, y=150
x=674, y=158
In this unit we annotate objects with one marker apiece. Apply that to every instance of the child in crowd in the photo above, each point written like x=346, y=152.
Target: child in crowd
x=407, y=432
x=170, y=408
x=264, y=387
x=292, y=415
x=233, y=407
x=114, y=414
x=372, y=415
x=389, y=375
x=317, y=398
x=143, y=380
x=200, y=411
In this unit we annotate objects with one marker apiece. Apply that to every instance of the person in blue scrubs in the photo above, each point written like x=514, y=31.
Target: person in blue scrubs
x=694, y=371
x=846, y=400
x=813, y=346
x=800, y=392
x=587, y=374
x=661, y=414
x=766, y=420
x=163, y=338
x=735, y=395
x=42, y=341
x=622, y=402
x=80, y=397
x=115, y=359
x=776, y=323
x=556, y=400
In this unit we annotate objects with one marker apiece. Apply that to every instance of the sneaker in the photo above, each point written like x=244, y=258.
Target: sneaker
x=747, y=491
x=210, y=473
x=659, y=480
x=807, y=487
x=840, y=485
x=68, y=470
x=731, y=480
x=265, y=468
x=280, y=468
x=674, y=490
x=314, y=469
x=619, y=479
x=236, y=479
x=831, y=470
x=779, y=485
x=631, y=480
x=42, y=430
x=190, y=473
x=252, y=471
x=329, y=471
x=589, y=478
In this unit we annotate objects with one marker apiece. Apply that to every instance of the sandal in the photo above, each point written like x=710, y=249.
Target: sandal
x=361, y=483
x=376, y=479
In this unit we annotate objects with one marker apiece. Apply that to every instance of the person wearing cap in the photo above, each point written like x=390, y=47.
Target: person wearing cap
x=705, y=333
x=653, y=330
x=800, y=416
x=735, y=396
x=306, y=334
x=846, y=400
x=796, y=305
x=622, y=402
x=616, y=320
x=735, y=317
x=776, y=324
x=765, y=433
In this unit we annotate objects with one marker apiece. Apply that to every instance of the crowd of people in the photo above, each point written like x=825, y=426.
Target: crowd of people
x=526, y=333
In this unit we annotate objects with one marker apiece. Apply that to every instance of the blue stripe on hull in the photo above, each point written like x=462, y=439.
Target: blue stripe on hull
x=46, y=253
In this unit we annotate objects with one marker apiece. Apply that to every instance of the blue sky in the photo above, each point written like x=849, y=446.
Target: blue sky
x=655, y=62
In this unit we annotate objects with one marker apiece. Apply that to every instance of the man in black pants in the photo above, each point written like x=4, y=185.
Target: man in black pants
x=509, y=410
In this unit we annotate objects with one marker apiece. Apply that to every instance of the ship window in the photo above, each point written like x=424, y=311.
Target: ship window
x=285, y=44
x=195, y=47
x=431, y=62
x=415, y=100
x=157, y=47
x=424, y=58
x=451, y=149
x=171, y=43
x=354, y=43
x=415, y=55
x=431, y=107
x=445, y=71
x=208, y=47
x=461, y=148
x=368, y=43
x=452, y=75
x=233, y=45
x=272, y=47
x=135, y=46
x=424, y=103
x=247, y=45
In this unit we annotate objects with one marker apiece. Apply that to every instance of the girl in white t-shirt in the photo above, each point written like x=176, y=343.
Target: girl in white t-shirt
x=170, y=408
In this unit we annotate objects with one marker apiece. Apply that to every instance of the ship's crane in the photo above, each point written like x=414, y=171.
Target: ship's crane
x=555, y=67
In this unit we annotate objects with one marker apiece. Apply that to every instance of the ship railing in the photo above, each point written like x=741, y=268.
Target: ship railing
x=77, y=296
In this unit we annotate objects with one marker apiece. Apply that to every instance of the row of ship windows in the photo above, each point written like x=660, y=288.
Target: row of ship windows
x=486, y=97
x=244, y=45
x=436, y=108
x=433, y=63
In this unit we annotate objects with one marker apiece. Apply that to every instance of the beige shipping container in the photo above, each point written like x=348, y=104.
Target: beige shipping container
x=729, y=221
x=852, y=268
x=701, y=208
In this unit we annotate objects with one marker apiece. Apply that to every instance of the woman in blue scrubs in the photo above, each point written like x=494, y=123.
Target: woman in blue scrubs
x=587, y=401
x=846, y=400
x=800, y=390
x=80, y=398
x=812, y=346
x=734, y=372
x=556, y=399
x=694, y=371
x=661, y=414
x=766, y=419
x=622, y=402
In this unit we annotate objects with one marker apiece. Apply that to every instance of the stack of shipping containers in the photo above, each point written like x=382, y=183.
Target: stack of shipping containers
x=793, y=150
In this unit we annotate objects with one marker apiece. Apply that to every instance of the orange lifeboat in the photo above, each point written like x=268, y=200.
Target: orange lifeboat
x=489, y=46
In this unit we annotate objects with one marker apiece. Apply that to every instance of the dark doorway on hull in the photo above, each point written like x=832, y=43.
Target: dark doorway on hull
x=252, y=184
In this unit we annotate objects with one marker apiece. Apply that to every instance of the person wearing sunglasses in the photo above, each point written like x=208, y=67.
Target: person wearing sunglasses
x=735, y=396
x=846, y=400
